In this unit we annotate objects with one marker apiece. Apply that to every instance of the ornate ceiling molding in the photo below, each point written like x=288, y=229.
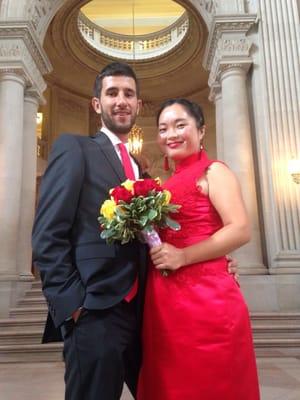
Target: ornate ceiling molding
x=20, y=50
x=40, y=13
x=226, y=25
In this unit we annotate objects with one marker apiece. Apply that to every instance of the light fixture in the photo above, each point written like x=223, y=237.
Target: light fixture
x=39, y=122
x=135, y=138
x=294, y=169
x=39, y=118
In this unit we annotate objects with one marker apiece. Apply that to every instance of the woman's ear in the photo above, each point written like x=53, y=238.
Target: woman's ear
x=202, y=131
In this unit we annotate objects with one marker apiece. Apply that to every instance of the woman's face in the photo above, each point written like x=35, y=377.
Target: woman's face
x=178, y=135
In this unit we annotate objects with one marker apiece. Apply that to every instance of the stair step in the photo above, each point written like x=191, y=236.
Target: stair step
x=276, y=331
x=277, y=342
x=20, y=324
x=275, y=319
x=28, y=311
x=277, y=347
x=34, y=293
x=32, y=301
x=36, y=284
x=13, y=337
x=49, y=352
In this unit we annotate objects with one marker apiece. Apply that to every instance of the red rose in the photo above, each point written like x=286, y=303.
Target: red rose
x=143, y=187
x=120, y=193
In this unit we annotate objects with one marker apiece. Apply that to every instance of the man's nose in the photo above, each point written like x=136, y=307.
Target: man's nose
x=121, y=99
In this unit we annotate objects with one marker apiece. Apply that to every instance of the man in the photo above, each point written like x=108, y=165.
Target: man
x=88, y=284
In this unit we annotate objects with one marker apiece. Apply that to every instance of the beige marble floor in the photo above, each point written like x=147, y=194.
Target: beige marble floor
x=279, y=379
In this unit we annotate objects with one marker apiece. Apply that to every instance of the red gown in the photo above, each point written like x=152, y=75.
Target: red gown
x=197, y=342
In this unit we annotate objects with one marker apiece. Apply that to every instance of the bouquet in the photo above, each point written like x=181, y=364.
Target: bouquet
x=134, y=210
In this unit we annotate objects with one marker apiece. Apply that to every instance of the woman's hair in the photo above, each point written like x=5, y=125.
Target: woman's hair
x=193, y=109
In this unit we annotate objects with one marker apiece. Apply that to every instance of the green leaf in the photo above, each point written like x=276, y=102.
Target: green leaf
x=172, y=224
x=152, y=214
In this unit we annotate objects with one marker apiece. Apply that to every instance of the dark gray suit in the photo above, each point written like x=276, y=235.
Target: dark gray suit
x=78, y=268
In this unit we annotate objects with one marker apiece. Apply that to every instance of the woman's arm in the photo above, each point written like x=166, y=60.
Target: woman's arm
x=225, y=194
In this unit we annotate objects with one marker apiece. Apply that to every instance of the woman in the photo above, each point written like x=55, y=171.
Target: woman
x=196, y=335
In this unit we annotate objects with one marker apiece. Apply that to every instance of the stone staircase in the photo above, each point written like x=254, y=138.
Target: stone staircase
x=21, y=333
x=275, y=334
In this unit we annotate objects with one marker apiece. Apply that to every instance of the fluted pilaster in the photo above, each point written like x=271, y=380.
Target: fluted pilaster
x=280, y=131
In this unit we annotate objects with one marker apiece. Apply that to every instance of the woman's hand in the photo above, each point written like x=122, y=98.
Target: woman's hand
x=167, y=257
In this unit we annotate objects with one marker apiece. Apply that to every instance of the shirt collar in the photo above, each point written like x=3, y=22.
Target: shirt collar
x=115, y=140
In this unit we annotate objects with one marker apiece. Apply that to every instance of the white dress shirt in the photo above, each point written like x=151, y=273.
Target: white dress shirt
x=115, y=140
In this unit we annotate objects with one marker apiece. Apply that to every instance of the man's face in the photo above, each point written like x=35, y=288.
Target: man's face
x=118, y=104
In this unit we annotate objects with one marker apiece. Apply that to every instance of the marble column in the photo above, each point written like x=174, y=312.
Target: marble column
x=28, y=188
x=237, y=151
x=11, y=146
x=216, y=97
x=11, y=136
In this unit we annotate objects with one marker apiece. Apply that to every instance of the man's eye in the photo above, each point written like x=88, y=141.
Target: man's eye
x=180, y=126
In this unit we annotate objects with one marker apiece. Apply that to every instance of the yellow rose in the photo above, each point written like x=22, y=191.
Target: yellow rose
x=158, y=180
x=108, y=209
x=128, y=185
x=167, y=196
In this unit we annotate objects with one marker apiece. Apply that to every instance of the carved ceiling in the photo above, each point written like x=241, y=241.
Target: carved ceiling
x=146, y=16
x=75, y=64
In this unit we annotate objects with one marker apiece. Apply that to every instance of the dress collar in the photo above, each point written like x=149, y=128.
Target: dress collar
x=192, y=159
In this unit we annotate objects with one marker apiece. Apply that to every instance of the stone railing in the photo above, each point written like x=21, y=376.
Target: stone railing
x=131, y=47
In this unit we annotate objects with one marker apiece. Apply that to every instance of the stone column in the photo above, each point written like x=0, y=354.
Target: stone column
x=29, y=165
x=228, y=58
x=23, y=63
x=11, y=134
x=11, y=140
x=237, y=151
x=216, y=97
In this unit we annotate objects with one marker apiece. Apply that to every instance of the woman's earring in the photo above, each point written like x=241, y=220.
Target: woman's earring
x=201, y=146
x=166, y=163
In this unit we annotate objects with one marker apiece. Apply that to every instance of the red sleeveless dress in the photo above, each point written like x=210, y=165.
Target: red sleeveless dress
x=197, y=342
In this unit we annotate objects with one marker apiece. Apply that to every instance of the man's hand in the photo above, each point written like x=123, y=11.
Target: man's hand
x=233, y=267
x=76, y=314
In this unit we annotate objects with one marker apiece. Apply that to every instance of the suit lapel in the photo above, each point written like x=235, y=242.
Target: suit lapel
x=110, y=154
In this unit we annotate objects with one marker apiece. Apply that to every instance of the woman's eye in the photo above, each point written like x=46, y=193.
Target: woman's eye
x=180, y=126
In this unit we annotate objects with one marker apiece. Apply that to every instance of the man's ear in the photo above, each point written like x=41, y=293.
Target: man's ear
x=96, y=105
x=139, y=107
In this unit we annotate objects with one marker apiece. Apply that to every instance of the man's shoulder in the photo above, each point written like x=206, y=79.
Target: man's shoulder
x=70, y=140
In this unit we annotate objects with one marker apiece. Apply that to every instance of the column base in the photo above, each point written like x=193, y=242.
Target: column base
x=255, y=269
x=272, y=293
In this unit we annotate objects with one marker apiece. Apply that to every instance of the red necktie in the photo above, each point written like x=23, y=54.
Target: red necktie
x=129, y=173
x=126, y=162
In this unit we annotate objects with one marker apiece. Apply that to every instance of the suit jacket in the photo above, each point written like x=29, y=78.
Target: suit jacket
x=77, y=267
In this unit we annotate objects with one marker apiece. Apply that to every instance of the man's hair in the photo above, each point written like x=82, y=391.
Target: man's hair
x=114, y=69
x=192, y=108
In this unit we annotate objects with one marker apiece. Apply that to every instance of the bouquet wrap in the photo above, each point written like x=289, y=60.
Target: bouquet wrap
x=151, y=237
